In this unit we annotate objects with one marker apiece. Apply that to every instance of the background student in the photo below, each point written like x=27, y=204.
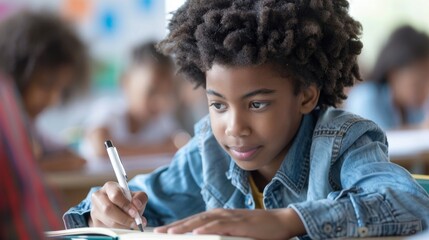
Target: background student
x=398, y=88
x=48, y=63
x=273, y=159
x=143, y=121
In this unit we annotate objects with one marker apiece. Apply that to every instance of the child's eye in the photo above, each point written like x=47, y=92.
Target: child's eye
x=258, y=105
x=218, y=106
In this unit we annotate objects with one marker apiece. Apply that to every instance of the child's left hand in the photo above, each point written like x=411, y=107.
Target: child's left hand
x=259, y=224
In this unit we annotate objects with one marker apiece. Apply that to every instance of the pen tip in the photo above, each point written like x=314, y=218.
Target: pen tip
x=141, y=227
x=108, y=143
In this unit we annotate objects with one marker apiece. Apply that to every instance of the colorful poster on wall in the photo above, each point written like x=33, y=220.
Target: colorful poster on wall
x=112, y=28
x=77, y=10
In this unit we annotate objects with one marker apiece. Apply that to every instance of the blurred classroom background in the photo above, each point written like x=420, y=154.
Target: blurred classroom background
x=112, y=28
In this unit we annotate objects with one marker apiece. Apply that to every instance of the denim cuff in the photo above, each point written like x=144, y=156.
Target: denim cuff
x=76, y=219
x=322, y=219
x=78, y=215
x=342, y=218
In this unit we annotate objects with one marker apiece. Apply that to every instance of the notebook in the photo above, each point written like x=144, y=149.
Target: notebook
x=123, y=234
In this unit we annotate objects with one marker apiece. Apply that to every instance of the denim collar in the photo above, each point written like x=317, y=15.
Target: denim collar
x=294, y=170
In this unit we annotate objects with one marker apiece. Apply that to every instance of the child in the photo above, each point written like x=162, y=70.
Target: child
x=399, y=85
x=273, y=160
x=144, y=122
x=47, y=61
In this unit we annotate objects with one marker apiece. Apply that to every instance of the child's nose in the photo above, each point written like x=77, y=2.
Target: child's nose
x=237, y=126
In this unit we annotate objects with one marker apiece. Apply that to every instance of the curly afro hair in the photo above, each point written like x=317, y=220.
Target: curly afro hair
x=314, y=41
x=33, y=41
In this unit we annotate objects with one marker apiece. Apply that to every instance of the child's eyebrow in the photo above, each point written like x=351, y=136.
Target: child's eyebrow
x=262, y=91
x=212, y=92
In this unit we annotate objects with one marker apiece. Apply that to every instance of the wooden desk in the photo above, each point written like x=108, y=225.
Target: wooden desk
x=74, y=186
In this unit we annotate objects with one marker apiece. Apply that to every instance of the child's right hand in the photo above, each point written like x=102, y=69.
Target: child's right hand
x=110, y=207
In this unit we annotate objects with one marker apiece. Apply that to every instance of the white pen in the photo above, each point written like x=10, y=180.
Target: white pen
x=121, y=175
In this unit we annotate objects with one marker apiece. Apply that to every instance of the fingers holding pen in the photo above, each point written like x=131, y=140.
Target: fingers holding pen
x=139, y=200
x=117, y=197
x=111, y=208
x=120, y=194
x=106, y=213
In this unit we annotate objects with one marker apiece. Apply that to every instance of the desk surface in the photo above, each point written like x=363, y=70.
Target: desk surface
x=408, y=144
x=98, y=171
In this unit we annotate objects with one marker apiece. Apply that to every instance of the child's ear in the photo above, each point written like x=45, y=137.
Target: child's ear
x=309, y=98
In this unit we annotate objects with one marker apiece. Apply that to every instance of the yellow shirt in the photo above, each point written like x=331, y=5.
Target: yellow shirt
x=256, y=194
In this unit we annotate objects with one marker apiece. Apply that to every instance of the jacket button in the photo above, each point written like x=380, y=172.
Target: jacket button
x=363, y=231
x=327, y=228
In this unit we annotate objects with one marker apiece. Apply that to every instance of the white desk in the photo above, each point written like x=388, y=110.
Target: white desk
x=410, y=149
x=406, y=144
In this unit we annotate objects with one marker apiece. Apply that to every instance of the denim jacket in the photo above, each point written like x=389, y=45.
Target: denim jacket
x=336, y=176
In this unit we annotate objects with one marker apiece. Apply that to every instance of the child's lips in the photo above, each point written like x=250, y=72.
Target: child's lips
x=243, y=152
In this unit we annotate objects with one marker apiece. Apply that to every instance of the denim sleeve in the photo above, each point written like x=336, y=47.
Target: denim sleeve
x=378, y=198
x=78, y=215
x=173, y=191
